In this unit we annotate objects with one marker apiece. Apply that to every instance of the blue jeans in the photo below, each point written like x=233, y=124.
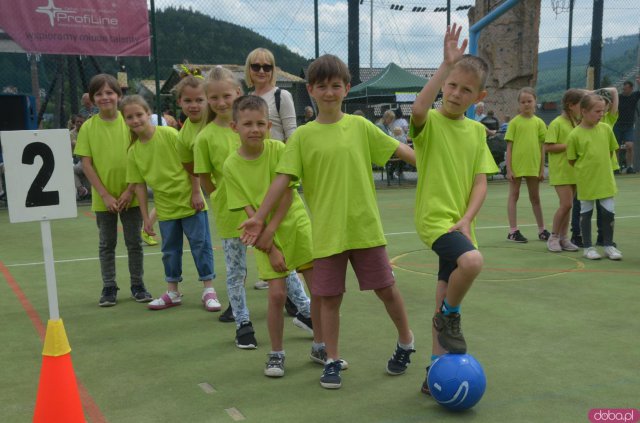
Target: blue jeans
x=196, y=229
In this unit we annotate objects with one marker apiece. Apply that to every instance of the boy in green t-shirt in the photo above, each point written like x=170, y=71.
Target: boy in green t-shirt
x=452, y=159
x=285, y=244
x=332, y=156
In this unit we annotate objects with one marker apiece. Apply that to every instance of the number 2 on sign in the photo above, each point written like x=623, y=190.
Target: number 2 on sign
x=37, y=196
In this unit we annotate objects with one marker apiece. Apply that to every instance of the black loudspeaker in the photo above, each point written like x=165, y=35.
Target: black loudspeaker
x=18, y=112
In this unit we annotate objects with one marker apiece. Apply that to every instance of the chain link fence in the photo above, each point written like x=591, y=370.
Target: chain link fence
x=397, y=43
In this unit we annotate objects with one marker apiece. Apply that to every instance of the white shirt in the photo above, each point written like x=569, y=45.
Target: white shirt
x=283, y=124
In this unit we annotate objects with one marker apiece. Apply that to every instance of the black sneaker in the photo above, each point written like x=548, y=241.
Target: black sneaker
x=544, y=235
x=449, y=332
x=425, y=385
x=227, y=316
x=140, y=294
x=108, y=297
x=331, y=375
x=577, y=240
x=274, y=366
x=516, y=237
x=398, y=362
x=245, y=338
x=303, y=323
x=291, y=308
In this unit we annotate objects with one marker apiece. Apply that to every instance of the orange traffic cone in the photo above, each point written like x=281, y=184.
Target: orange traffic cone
x=58, y=397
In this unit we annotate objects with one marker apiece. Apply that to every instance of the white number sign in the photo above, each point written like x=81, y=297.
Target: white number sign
x=39, y=175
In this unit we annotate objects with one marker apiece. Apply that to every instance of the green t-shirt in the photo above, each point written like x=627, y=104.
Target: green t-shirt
x=212, y=147
x=611, y=119
x=591, y=149
x=560, y=171
x=247, y=184
x=106, y=142
x=449, y=155
x=527, y=136
x=334, y=163
x=156, y=164
x=187, y=140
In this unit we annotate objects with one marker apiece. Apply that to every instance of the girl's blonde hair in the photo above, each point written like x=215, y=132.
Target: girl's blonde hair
x=527, y=90
x=188, y=81
x=589, y=100
x=134, y=100
x=219, y=74
x=570, y=98
x=259, y=52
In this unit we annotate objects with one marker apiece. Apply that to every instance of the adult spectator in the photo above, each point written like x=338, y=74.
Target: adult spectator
x=309, y=115
x=81, y=182
x=400, y=121
x=480, y=114
x=623, y=128
x=260, y=74
x=87, y=109
x=386, y=122
x=491, y=122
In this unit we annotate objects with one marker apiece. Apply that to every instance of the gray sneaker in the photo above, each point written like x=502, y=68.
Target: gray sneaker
x=450, y=333
x=108, y=297
x=261, y=285
x=274, y=366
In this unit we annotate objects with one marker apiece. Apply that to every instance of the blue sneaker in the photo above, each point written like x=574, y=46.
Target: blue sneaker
x=398, y=362
x=331, y=375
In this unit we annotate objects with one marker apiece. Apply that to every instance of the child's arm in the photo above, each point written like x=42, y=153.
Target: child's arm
x=197, y=202
x=126, y=197
x=406, y=153
x=205, y=180
x=613, y=109
x=427, y=96
x=277, y=260
x=555, y=148
x=541, y=174
x=189, y=168
x=109, y=201
x=508, y=160
x=141, y=193
x=478, y=194
x=265, y=240
x=253, y=226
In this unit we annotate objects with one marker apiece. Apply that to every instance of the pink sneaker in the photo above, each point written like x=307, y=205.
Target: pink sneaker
x=567, y=245
x=210, y=300
x=165, y=301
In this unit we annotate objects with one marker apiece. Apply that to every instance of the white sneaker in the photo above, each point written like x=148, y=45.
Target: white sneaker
x=612, y=252
x=261, y=285
x=591, y=253
x=567, y=245
x=553, y=244
x=210, y=300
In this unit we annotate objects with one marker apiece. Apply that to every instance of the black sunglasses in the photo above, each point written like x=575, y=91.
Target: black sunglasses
x=257, y=66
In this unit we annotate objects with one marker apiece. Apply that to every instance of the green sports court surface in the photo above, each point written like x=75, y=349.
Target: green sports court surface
x=557, y=335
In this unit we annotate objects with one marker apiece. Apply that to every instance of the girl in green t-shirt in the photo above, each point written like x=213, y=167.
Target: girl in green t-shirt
x=589, y=149
x=525, y=136
x=561, y=174
x=180, y=205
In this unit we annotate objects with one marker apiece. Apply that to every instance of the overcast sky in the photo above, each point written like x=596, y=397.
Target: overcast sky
x=407, y=38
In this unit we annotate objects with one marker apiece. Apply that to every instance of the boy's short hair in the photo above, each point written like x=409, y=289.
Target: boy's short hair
x=99, y=81
x=250, y=102
x=476, y=65
x=327, y=67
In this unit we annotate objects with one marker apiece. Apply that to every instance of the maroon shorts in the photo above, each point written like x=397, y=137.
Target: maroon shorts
x=371, y=266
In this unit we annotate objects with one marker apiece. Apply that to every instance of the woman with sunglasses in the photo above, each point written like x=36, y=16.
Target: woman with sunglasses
x=260, y=74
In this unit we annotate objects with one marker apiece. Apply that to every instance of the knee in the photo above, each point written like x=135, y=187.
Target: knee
x=277, y=294
x=471, y=261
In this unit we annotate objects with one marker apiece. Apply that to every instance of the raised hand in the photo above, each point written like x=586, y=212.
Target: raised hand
x=453, y=53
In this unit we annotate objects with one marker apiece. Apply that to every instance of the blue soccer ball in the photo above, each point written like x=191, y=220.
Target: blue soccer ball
x=456, y=381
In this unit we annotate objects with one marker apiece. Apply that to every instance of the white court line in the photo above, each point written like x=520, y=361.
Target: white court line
x=38, y=263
